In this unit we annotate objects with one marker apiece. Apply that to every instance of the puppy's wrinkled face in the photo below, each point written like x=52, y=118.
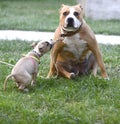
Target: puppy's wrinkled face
x=71, y=17
x=42, y=47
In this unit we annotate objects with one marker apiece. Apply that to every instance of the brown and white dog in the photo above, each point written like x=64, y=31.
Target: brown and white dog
x=25, y=70
x=76, y=50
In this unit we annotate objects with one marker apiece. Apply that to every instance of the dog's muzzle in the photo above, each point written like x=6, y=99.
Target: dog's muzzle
x=70, y=25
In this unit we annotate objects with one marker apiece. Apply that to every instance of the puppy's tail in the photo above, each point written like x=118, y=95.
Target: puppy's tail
x=5, y=82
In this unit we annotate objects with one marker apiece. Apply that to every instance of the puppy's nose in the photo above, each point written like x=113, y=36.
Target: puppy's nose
x=70, y=22
x=51, y=46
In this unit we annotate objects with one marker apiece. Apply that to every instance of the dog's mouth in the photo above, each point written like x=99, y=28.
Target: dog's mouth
x=69, y=29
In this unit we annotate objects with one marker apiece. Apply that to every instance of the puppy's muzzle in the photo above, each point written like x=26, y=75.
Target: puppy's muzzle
x=50, y=44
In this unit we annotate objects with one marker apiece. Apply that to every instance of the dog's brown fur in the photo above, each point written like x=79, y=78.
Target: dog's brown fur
x=68, y=63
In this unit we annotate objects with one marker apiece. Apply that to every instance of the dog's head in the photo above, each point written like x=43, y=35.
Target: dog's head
x=42, y=47
x=71, y=17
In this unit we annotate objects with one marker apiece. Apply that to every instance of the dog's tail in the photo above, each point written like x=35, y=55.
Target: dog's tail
x=5, y=82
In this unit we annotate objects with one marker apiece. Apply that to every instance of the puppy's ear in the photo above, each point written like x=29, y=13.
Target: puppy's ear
x=34, y=44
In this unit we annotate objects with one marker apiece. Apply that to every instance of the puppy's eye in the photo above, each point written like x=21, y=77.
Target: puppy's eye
x=47, y=43
x=76, y=14
x=40, y=49
x=65, y=13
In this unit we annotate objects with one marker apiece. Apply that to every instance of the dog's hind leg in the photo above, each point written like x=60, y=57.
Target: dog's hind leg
x=64, y=72
x=24, y=80
x=92, y=64
x=95, y=68
x=33, y=82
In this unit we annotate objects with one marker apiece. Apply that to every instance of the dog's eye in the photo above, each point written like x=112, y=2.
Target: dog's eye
x=76, y=14
x=65, y=13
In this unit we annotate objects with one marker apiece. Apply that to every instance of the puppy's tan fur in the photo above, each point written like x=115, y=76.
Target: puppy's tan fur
x=26, y=69
x=78, y=41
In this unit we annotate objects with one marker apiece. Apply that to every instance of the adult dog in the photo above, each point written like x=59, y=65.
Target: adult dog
x=76, y=50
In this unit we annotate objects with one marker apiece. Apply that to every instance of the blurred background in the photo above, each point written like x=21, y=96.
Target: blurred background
x=101, y=9
x=43, y=15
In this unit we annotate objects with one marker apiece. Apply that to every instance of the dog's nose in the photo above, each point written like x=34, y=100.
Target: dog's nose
x=70, y=22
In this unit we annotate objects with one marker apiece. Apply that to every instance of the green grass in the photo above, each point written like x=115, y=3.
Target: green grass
x=43, y=15
x=109, y=27
x=85, y=100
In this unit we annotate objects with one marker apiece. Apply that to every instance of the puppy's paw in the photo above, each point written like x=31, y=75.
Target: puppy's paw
x=23, y=89
x=33, y=83
x=26, y=90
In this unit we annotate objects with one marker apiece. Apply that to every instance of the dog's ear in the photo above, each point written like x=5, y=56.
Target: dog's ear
x=61, y=7
x=34, y=44
x=82, y=9
x=79, y=5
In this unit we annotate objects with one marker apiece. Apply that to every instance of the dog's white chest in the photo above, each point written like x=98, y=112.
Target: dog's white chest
x=75, y=45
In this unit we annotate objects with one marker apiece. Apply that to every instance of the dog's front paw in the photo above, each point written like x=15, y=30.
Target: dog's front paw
x=106, y=78
x=72, y=75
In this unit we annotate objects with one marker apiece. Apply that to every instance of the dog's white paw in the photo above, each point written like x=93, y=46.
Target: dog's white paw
x=107, y=78
x=72, y=75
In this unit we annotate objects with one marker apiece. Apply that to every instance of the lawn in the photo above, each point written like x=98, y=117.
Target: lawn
x=43, y=15
x=84, y=100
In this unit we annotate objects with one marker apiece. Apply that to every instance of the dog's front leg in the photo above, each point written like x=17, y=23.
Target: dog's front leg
x=54, y=54
x=52, y=69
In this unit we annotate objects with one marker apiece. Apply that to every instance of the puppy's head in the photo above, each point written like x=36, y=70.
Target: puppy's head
x=71, y=17
x=42, y=47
